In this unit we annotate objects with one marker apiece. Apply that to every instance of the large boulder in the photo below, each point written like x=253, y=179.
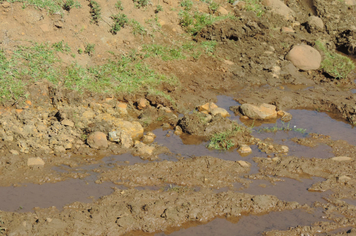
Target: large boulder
x=97, y=140
x=261, y=112
x=304, y=57
x=278, y=7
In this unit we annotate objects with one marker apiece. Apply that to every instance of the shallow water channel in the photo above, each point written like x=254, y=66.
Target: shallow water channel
x=25, y=198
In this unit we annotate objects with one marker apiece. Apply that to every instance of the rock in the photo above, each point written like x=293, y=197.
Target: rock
x=143, y=149
x=178, y=130
x=134, y=129
x=244, y=163
x=227, y=62
x=304, y=57
x=149, y=137
x=35, y=161
x=222, y=11
x=286, y=117
x=278, y=7
x=67, y=122
x=341, y=158
x=220, y=111
x=261, y=112
x=5, y=4
x=207, y=107
x=68, y=146
x=315, y=24
x=142, y=103
x=59, y=149
x=350, y=2
x=287, y=30
x=244, y=149
x=14, y=152
x=121, y=137
x=88, y=114
x=97, y=140
x=285, y=149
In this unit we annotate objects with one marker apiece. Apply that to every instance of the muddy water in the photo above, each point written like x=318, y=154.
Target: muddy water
x=24, y=199
x=249, y=225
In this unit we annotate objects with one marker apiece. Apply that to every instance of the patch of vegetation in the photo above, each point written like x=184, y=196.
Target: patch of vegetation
x=69, y=4
x=223, y=141
x=209, y=46
x=284, y=127
x=120, y=20
x=119, y=6
x=95, y=11
x=334, y=64
x=2, y=229
x=158, y=9
x=255, y=6
x=166, y=53
x=53, y=6
x=89, y=49
x=194, y=22
x=61, y=46
x=187, y=4
x=141, y=3
x=126, y=74
x=137, y=28
x=213, y=7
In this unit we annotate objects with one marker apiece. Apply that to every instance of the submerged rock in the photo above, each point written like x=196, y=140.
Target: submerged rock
x=261, y=112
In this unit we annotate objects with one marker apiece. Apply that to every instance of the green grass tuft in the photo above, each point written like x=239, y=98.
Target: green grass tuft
x=223, y=141
x=334, y=64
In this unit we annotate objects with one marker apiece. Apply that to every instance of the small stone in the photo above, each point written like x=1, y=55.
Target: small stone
x=280, y=113
x=121, y=137
x=67, y=122
x=221, y=111
x=142, y=103
x=222, y=11
x=285, y=149
x=49, y=220
x=207, y=107
x=315, y=24
x=178, y=130
x=68, y=146
x=344, y=178
x=261, y=112
x=59, y=24
x=287, y=30
x=149, y=137
x=14, y=152
x=244, y=163
x=286, y=117
x=59, y=149
x=143, y=149
x=280, y=8
x=270, y=147
x=35, y=161
x=97, y=140
x=275, y=159
x=5, y=4
x=341, y=158
x=244, y=149
x=230, y=63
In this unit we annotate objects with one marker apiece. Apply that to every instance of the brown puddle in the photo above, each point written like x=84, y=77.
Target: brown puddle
x=251, y=225
x=24, y=199
x=288, y=190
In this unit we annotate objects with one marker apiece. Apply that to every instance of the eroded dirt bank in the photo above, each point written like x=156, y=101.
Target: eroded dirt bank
x=178, y=67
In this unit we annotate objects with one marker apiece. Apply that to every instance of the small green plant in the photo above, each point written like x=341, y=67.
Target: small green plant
x=95, y=11
x=119, y=6
x=231, y=1
x=213, y=7
x=166, y=53
x=61, y=46
x=69, y=4
x=187, y=4
x=89, y=49
x=120, y=20
x=255, y=6
x=284, y=127
x=334, y=64
x=137, y=28
x=141, y=3
x=158, y=8
x=222, y=140
x=80, y=51
x=209, y=46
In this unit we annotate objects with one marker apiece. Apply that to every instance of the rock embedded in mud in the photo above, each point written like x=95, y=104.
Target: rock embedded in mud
x=134, y=129
x=304, y=57
x=222, y=11
x=261, y=112
x=97, y=140
x=178, y=130
x=142, y=103
x=35, y=161
x=121, y=137
x=315, y=24
x=244, y=149
x=149, y=137
x=221, y=111
x=207, y=107
x=67, y=122
x=143, y=149
x=341, y=158
x=278, y=7
x=244, y=164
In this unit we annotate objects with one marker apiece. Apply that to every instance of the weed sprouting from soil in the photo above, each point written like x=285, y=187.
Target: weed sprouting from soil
x=137, y=28
x=120, y=20
x=158, y=9
x=89, y=49
x=187, y=4
x=95, y=11
x=141, y=3
x=61, y=46
x=223, y=140
x=69, y=4
x=119, y=6
x=335, y=65
x=213, y=7
x=255, y=6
